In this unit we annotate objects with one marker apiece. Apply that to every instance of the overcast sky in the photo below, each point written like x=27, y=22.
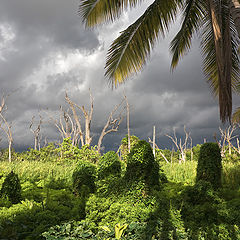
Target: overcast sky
x=45, y=50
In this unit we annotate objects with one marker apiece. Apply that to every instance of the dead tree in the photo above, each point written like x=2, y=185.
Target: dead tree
x=36, y=132
x=154, y=136
x=128, y=123
x=111, y=125
x=66, y=126
x=226, y=138
x=88, y=118
x=181, y=146
x=6, y=127
x=159, y=150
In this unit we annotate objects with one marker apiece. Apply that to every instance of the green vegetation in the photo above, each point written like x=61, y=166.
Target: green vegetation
x=71, y=195
x=210, y=164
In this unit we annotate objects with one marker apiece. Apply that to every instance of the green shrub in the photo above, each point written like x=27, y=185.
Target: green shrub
x=109, y=164
x=71, y=153
x=84, y=178
x=11, y=188
x=124, y=146
x=209, y=166
x=141, y=164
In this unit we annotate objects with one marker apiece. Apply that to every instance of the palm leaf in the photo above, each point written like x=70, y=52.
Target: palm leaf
x=236, y=116
x=129, y=52
x=98, y=11
x=192, y=19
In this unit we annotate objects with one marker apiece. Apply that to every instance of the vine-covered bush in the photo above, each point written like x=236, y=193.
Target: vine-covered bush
x=141, y=164
x=11, y=188
x=124, y=145
x=109, y=164
x=84, y=178
x=209, y=166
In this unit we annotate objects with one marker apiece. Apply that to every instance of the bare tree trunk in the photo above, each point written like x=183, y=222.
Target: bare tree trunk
x=6, y=128
x=128, y=123
x=154, y=134
x=10, y=151
x=113, y=123
x=87, y=116
x=181, y=147
x=76, y=118
x=156, y=146
x=36, y=132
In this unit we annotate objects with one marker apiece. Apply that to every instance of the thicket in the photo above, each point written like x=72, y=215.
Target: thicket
x=141, y=165
x=209, y=166
x=111, y=202
x=11, y=188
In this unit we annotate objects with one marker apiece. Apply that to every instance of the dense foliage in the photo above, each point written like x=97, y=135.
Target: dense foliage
x=84, y=178
x=209, y=166
x=109, y=164
x=11, y=188
x=69, y=197
x=141, y=164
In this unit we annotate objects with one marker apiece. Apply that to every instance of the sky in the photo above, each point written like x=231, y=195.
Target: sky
x=45, y=50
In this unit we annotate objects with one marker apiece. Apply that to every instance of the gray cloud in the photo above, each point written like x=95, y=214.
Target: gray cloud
x=45, y=51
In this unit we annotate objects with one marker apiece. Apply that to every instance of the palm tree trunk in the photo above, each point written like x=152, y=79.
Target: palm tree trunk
x=234, y=7
x=222, y=43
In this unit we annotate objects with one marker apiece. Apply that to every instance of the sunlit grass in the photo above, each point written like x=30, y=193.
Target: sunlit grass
x=37, y=171
x=184, y=172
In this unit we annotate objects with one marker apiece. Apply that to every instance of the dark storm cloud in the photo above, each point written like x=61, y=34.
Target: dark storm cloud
x=50, y=52
x=55, y=20
x=40, y=27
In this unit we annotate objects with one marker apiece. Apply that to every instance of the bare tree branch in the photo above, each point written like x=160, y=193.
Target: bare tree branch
x=111, y=123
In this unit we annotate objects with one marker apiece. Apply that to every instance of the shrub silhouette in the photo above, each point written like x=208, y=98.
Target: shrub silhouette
x=209, y=166
x=84, y=179
x=11, y=188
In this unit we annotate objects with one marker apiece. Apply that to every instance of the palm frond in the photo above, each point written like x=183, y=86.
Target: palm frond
x=95, y=12
x=236, y=116
x=192, y=18
x=129, y=52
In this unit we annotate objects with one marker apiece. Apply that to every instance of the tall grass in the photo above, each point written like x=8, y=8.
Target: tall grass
x=179, y=173
x=36, y=171
x=186, y=173
x=231, y=175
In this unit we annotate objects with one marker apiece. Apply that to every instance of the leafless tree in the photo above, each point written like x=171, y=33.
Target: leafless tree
x=181, y=145
x=128, y=123
x=111, y=125
x=154, y=138
x=6, y=127
x=88, y=118
x=159, y=150
x=66, y=126
x=226, y=139
x=36, y=132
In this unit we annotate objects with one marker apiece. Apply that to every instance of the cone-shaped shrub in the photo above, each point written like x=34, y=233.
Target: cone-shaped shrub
x=210, y=164
x=11, y=188
x=109, y=164
x=142, y=165
x=84, y=178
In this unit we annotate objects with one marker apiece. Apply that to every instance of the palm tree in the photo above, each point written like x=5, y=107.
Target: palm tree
x=215, y=20
x=234, y=7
